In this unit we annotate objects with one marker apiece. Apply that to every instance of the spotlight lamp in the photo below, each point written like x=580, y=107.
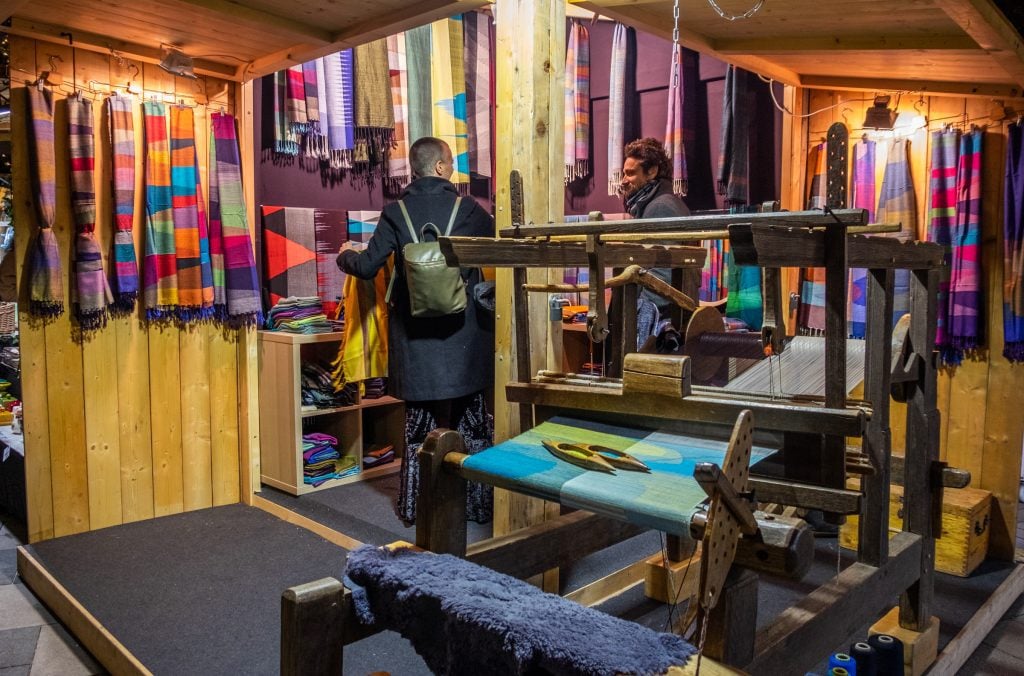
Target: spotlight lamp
x=880, y=116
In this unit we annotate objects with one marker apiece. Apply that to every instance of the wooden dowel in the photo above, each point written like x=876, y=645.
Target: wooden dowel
x=634, y=274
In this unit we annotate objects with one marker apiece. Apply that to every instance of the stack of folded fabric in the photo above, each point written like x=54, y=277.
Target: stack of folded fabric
x=375, y=388
x=318, y=388
x=299, y=314
x=321, y=460
x=593, y=368
x=378, y=454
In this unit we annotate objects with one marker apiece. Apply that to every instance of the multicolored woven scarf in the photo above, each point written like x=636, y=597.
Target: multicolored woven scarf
x=122, y=141
x=93, y=291
x=448, y=94
x=375, y=114
x=863, y=197
x=236, y=288
x=417, y=59
x=295, y=100
x=965, y=280
x=617, y=107
x=713, y=284
x=286, y=141
x=310, y=93
x=1013, y=246
x=941, y=222
x=340, y=120
x=734, y=156
x=46, y=289
x=744, y=295
x=577, y=103
x=811, y=312
x=159, y=268
x=479, y=35
x=897, y=204
x=399, y=171
x=675, y=142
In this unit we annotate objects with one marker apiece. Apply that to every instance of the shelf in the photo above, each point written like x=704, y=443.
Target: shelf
x=301, y=338
x=365, y=403
x=304, y=488
x=574, y=326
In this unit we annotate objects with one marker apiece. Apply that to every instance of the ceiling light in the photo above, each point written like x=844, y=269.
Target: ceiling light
x=879, y=116
x=176, y=62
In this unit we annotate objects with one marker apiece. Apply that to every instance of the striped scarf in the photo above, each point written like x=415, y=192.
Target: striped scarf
x=159, y=269
x=93, y=291
x=713, y=284
x=374, y=112
x=577, y=103
x=811, y=312
x=46, y=289
x=340, y=120
x=448, y=95
x=399, y=171
x=1013, y=246
x=295, y=100
x=734, y=155
x=236, y=289
x=965, y=280
x=122, y=140
x=617, y=107
x=417, y=59
x=479, y=34
x=675, y=142
x=863, y=198
x=897, y=204
x=941, y=222
x=314, y=85
x=286, y=141
x=309, y=92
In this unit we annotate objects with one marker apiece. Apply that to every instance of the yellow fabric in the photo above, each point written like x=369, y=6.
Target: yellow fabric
x=364, y=350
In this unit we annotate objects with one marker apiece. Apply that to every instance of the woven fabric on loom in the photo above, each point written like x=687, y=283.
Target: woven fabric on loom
x=159, y=270
x=399, y=171
x=577, y=103
x=1013, y=246
x=479, y=36
x=965, y=283
x=811, y=312
x=289, y=244
x=46, y=288
x=897, y=204
x=675, y=131
x=942, y=221
x=863, y=197
x=617, y=107
x=448, y=93
x=122, y=141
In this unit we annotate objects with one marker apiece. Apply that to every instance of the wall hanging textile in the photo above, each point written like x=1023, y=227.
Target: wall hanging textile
x=478, y=29
x=863, y=186
x=965, y=284
x=374, y=112
x=417, y=60
x=897, y=204
x=399, y=171
x=235, y=281
x=92, y=289
x=1013, y=246
x=734, y=156
x=46, y=288
x=330, y=231
x=159, y=268
x=286, y=141
x=675, y=130
x=122, y=142
x=340, y=116
x=362, y=224
x=617, y=107
x=448, y=95
x=811, y=311
x=941, y=223
x=289, y=246
x=577, y=103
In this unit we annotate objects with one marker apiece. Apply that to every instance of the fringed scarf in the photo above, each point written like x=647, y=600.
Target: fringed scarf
x=674, y=135
x=295, y=100
x=236, y=290
x=46, y=289
x=941, y=222
x=577, y=103
x=965, y=280
x=286, y=141
x=713, y=284
x=734, y=157
x=448, y=93
x=122, y=141
x=811, y=312
x=479, y=32
x=617, y=107
x=897, y=204
x=93, y=290
x=340, y=119
x=159, y=269
x=314, y=85
x=417, y=58
x=1013, y=246
x=863, y=198
x=399, y=171
x=374, y=112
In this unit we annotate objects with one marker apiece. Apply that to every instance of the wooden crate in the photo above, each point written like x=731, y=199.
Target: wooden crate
x=966, y=513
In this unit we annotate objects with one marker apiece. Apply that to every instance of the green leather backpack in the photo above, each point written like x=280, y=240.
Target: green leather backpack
x=435, y=290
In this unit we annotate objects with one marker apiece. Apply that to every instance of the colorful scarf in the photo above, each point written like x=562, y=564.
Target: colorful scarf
x=374, y=112
x=399, y=171
x=122, y=141
x=675, y=142
x=941, y=222
x=617, y=107
x=479, y=33
x=309, y=92
x=159, y=268
x=965, y=281
x=897, y=204
x=295, y=100
x=744, y=295
x=93, y=291
x=713, y=284
x=734, y=157
x=863, y=198
x=448, y=94
x=577, y=103
x=340, y=120
x=286, y=141
x=811, y=312
x=417, y=60
x=46, y=289
x=1013, y=246
x=236, y=287
x=364, y=350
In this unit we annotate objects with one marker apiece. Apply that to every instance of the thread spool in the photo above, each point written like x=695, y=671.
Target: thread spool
x=844, y=662
x=865, y=657
x=838, y=671
x=889, y=653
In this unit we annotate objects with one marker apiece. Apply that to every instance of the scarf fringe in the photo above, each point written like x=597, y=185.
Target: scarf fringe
x=615, y=182
x=680, y=186
x=124, y=303
x=722, y=187
x=46, y=308
x=462, y=189
x=950, y=356
x=244, y=321
x=577, y=170
x=1014, y=351
x=282, y=147
x=92, y=320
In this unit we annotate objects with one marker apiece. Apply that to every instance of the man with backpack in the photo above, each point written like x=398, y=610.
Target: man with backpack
x=440, y=357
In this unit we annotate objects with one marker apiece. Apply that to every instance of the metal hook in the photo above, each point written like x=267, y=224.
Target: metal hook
x=50, y=58
x=919, y=104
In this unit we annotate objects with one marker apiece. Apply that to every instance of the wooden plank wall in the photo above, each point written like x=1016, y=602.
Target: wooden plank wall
x=136, y=420
x=980, y=429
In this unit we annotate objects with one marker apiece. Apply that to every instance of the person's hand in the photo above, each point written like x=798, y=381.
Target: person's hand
x=347, y=246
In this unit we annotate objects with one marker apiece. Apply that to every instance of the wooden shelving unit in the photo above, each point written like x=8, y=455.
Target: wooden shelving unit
x=283, y=419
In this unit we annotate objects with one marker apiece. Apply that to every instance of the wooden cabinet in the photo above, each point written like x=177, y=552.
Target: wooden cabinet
x=283, y=419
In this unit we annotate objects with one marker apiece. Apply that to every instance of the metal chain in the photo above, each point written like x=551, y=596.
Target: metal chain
x=733, y=17
x=676, y=56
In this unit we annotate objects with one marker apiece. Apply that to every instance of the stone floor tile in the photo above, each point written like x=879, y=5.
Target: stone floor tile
x=1008, y=636
x=58, y=654
x=18, y=646
x=23, y=670
x=991, y=661
x=21, y=608
x=8, y=565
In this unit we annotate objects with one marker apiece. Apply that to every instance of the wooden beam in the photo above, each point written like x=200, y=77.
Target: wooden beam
x=11, y=8
x=1007, y=90
x=780, y=491
x=260, y=19
x=986, y=24
x=774, y=247
x=487, y=252
x=837, y=44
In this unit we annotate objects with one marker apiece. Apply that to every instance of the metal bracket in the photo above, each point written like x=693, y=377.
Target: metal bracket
x=597, y=314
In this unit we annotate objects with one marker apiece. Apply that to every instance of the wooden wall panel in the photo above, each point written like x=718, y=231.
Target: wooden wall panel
x=135, y=420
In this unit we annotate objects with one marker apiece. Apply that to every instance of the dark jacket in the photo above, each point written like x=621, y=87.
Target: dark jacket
x=663, y=203
x=439, y=357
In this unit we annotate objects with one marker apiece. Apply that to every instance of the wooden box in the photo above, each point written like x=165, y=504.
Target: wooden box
x=966, y=513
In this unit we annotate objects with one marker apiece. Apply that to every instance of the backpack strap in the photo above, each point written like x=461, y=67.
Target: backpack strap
x=451, y=221
x=408, y=221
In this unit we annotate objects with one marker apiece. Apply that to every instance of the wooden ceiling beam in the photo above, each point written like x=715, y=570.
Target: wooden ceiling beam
x=259, y=19
x=826, y=44
x=11, y=8
x=987, y=90
x=987, y=25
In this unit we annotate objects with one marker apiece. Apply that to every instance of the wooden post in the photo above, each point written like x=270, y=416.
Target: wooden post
x=833, y=462
x=441, y=502
x=312, y=625
x=731, y=623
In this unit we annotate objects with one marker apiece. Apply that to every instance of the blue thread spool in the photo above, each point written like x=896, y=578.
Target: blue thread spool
x=844, y=662
x=889, y=651
x=865, y=657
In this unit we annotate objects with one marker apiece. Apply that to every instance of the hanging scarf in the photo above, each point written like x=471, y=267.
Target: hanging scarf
x=236, y=290
x=1013, y=246
x=965, y=282
x=448, y=94
x=93, y=291
x=734, y=157
x=417, y=59
x=744, y=295
x=674, y=134
x=364, y=350
x=617, y=108
x=897, y=204
x=713, y=284
x=313, y=86
x=941, y=222
x=479, y=32
x=159, y=269
x=374, y=112
x=863, y=198
x=399, y=171
x=340, y=122
x=286, y=142
x=122, y=141
x=577, y=103
x=309, y=92
x=811, y=312
x=295, y=101
x=46, y=289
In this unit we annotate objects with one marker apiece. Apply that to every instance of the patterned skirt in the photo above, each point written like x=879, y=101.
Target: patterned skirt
x=468, y=416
